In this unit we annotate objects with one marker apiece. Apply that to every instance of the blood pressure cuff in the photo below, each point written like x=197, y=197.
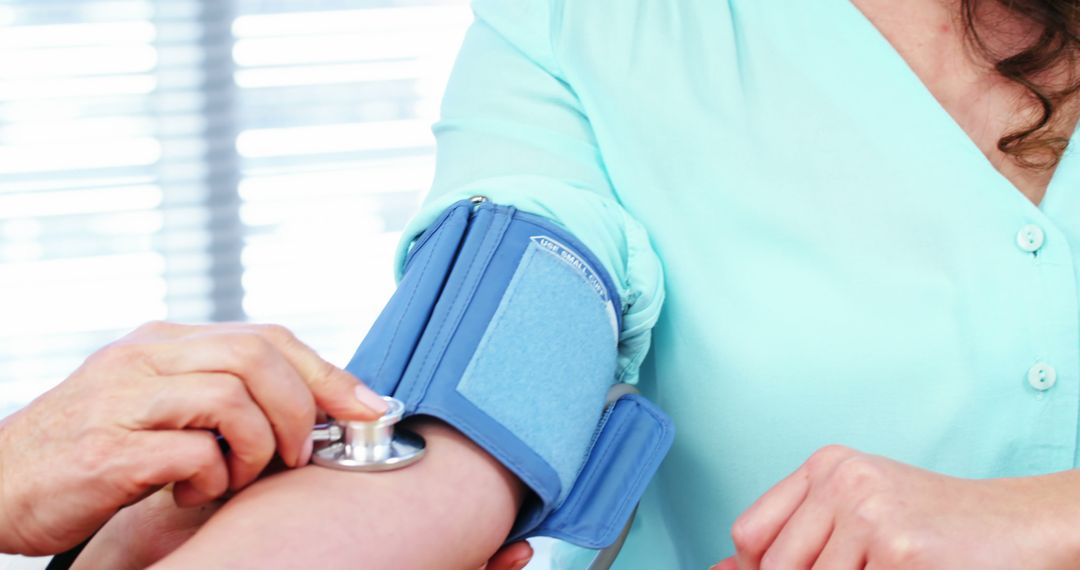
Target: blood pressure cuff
x=507, y=328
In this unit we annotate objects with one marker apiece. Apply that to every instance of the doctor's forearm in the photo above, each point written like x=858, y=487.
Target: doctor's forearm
x=9, y=539
x=453, y=509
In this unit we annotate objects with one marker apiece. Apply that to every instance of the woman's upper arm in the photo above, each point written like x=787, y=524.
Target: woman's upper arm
x=514, y=130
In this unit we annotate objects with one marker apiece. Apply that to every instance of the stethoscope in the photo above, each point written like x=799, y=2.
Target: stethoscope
x=378, y=446
x=368, y=446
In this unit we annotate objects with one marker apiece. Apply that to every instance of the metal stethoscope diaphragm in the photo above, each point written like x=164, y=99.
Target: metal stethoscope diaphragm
x=368, y=446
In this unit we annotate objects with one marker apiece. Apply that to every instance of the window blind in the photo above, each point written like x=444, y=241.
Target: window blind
x=207, y=161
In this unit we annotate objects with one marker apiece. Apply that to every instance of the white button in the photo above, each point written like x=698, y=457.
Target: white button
x=1030, y=238
x=1042, y=376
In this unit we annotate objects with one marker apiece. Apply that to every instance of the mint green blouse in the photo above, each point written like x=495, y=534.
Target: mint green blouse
x=835, y=260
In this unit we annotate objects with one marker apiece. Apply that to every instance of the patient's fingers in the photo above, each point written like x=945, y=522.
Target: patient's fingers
x=214, y=401
x=191, y=457
x=270, y=379
x=725, y=564
x=756, y=529
x=513, y=556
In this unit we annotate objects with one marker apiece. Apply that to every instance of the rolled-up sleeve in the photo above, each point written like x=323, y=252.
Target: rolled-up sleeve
x=512, y=129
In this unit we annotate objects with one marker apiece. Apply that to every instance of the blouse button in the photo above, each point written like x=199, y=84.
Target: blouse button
x=1030, y=238
x=1042, y=376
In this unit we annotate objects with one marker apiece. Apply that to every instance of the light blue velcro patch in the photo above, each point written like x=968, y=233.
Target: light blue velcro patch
x=546, y=361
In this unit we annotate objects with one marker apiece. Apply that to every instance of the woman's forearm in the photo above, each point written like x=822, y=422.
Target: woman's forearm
x=453, y=509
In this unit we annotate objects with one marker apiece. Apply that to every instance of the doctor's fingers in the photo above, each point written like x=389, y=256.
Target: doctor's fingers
x=212, y=401
x=339, y=393
x=190, y=458
x=272, y=382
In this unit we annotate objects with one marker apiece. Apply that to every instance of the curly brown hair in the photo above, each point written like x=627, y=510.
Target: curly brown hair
x=1045, y=66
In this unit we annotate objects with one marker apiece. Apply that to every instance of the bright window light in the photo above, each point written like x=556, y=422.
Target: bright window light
x=153, y=165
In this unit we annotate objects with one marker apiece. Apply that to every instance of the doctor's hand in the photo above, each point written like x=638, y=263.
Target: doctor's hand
x=139, y=413
x=845, y=509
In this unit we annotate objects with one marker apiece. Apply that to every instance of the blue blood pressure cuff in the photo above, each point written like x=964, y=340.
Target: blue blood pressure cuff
x=507, y=328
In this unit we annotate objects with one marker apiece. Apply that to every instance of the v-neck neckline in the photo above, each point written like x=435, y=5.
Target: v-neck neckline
x=1062, y=172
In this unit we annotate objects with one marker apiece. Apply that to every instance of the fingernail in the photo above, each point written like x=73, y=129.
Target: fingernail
x=371, y=399
x=305, y=453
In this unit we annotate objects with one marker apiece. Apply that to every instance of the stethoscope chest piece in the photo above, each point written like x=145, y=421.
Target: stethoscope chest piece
x=368, y=446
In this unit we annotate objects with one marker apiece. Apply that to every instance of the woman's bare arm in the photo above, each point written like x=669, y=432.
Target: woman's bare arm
x=453, y=509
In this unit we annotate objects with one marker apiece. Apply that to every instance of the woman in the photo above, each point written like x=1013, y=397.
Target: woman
x=867, y=222
x=869, y=230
